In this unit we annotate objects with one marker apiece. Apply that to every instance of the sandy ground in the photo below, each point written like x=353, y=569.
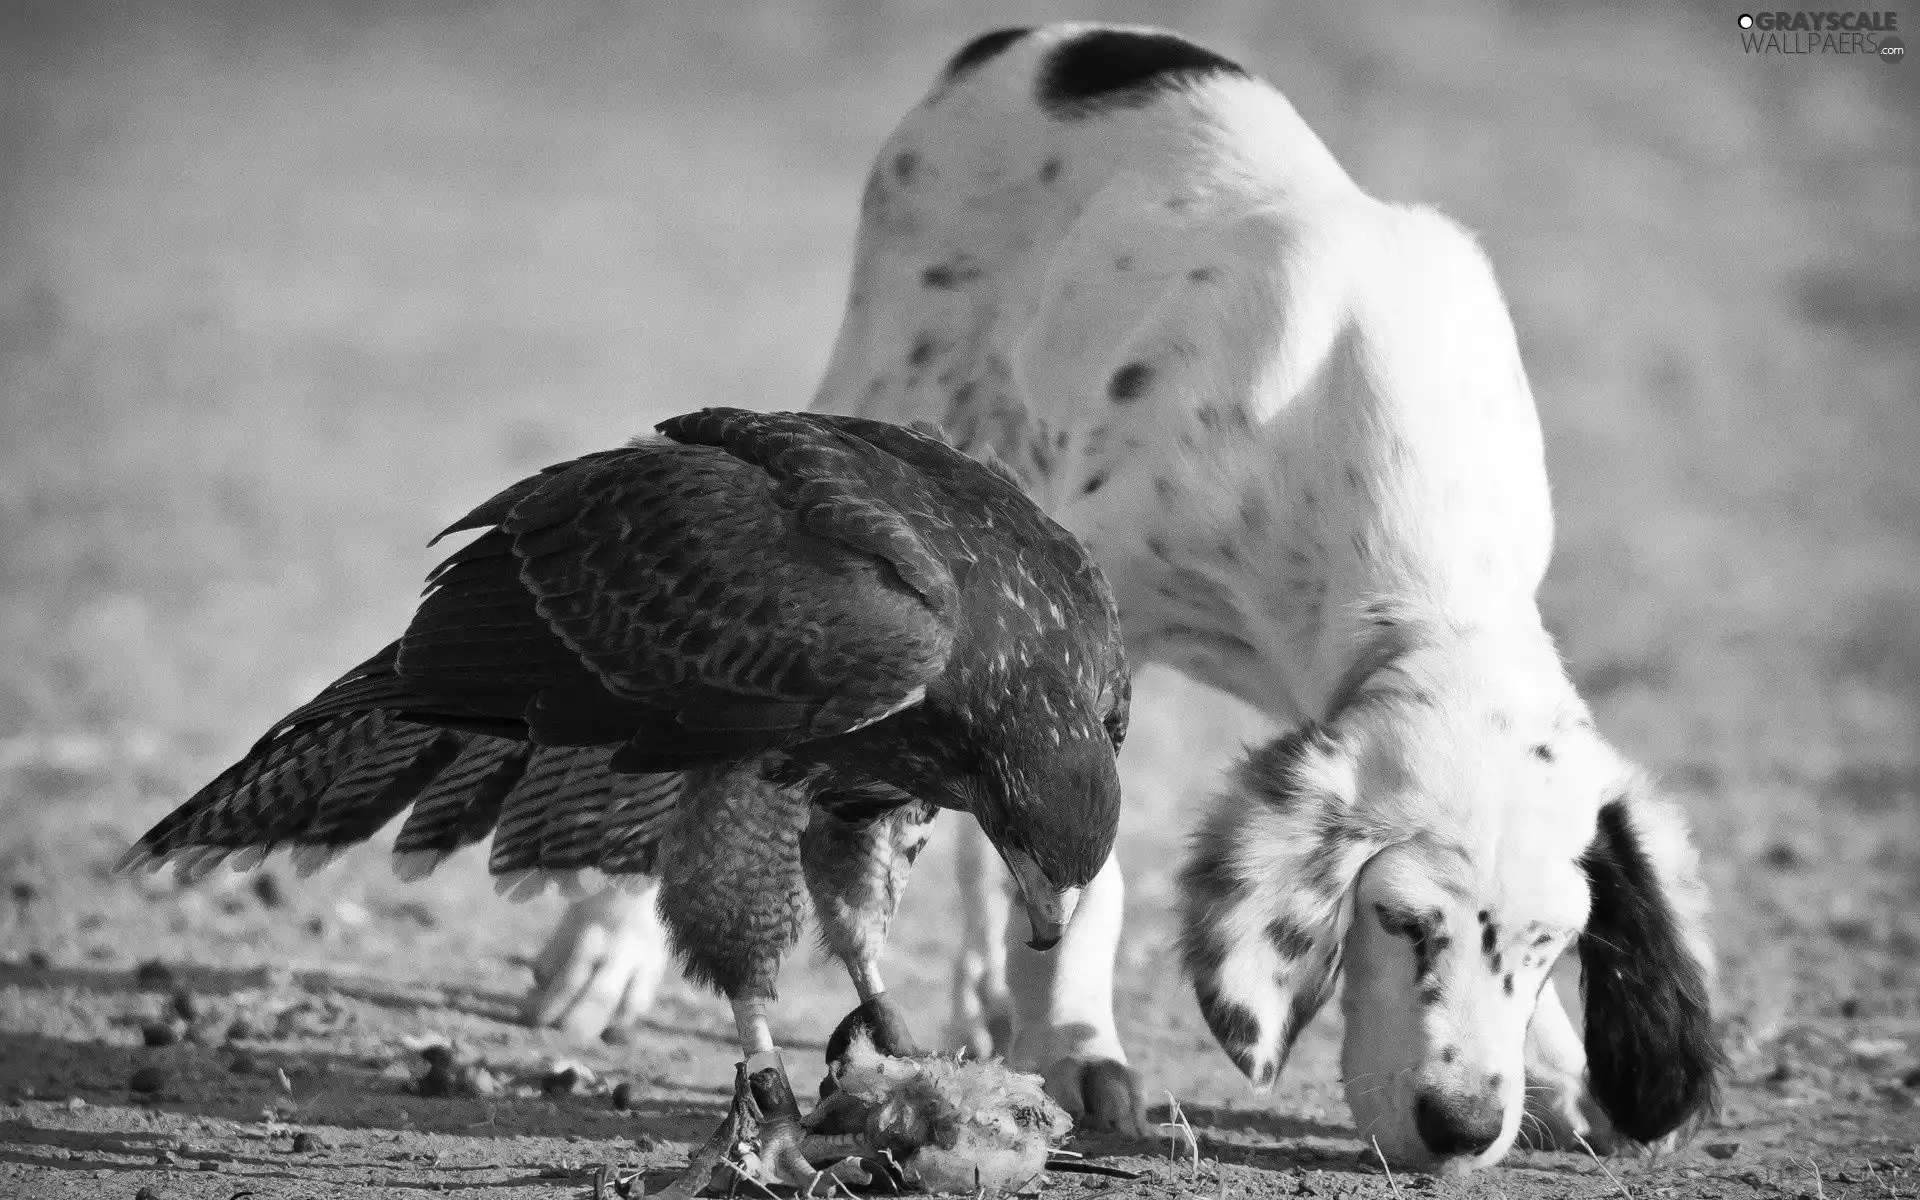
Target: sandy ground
x=281, y=294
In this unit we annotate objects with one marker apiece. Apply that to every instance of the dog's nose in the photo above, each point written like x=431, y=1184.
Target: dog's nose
x=1458, y=1123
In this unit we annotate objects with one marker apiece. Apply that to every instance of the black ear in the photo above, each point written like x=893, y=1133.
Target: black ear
x=1653, y=1062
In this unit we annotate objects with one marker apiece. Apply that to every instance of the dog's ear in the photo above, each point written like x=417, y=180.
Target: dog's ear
x=1265, y=896
x=1653, y=1062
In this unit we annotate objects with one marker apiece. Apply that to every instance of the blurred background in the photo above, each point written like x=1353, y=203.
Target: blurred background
x=284, y=288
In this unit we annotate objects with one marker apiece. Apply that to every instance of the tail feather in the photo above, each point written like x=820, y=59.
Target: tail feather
x=336, y=770
x=381, y=782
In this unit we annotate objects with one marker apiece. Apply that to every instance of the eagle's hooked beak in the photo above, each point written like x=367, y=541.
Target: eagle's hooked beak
x=1048, y=908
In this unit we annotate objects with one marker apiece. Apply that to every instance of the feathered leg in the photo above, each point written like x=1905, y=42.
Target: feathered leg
x=856, y=874
x=733, y=902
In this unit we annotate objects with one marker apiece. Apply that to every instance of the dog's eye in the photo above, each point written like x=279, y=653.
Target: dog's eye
x=1399, y=923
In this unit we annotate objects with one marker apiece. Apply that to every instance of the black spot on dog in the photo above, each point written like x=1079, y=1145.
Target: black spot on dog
x=1506, y=984
x=1130, y=382
x=1543, y=752
x=951, y=274
x=1093, y=485
x=1495, y=962
x=1203, y=274
x=1431, y=993
x=1117, y=68
x=905, y=165
x=1653, y=1062
x=1289, y=939
x=1353, y=477
x=922, y=351
x=1050, y=170
x=1489, y=934
x=1483, y=916
x=1449, y=1053
x=983, y=49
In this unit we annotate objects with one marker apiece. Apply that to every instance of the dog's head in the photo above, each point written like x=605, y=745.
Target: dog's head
x=1444, y=853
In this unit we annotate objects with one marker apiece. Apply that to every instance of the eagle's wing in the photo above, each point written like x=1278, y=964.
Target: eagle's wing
x=700, y=601
x=689, y=603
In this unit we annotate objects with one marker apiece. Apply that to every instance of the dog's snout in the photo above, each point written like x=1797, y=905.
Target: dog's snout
x=1458, y=1123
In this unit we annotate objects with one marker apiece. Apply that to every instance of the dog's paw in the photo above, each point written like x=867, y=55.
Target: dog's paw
x=1103, y=1096
x=601, y=967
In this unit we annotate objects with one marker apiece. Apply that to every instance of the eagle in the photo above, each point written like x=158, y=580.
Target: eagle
x=754, y=655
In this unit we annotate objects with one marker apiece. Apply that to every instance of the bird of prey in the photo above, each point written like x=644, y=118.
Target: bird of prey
x=754, y=654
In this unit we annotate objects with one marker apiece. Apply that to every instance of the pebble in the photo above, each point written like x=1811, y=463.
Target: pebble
x=147, y=1080
x=622, y=1096
x=153, y=976
x=159, y=1033
x=303, y=1143
x=185, y=1006
x=1911, y=1078
x=147, y=1193
x=1721, y=1150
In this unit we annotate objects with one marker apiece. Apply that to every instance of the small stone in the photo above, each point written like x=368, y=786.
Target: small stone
x=75, y=1104
x=159, y=1033
x=439, y=1056
x=208, y=1164
x=1721, y=1150
x=185, y=1006
x=560, y=1082
x=153, y=976
x=1849, y=1008
x=38, y=960
x=303, y=1143
x=243, y=1064
x=147, y=1081
x=622, y=1096
x=266, y=887
x=438, y=1081
x=1911, y=1079
x=147, y=1193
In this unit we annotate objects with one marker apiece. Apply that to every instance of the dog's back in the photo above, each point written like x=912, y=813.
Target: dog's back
x=1131, y=271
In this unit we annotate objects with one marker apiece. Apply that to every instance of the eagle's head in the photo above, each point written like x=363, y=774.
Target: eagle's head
x=1048, y=799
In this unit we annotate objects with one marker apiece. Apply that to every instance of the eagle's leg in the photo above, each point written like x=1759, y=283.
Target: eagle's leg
x=733, y=902
x=856, y=872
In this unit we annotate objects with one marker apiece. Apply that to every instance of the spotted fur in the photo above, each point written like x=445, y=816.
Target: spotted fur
x=1292, y=423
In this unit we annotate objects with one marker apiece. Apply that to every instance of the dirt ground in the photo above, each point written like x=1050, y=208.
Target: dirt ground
x=283, y=289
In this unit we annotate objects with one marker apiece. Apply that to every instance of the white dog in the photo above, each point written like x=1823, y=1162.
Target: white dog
x=1291, y=422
